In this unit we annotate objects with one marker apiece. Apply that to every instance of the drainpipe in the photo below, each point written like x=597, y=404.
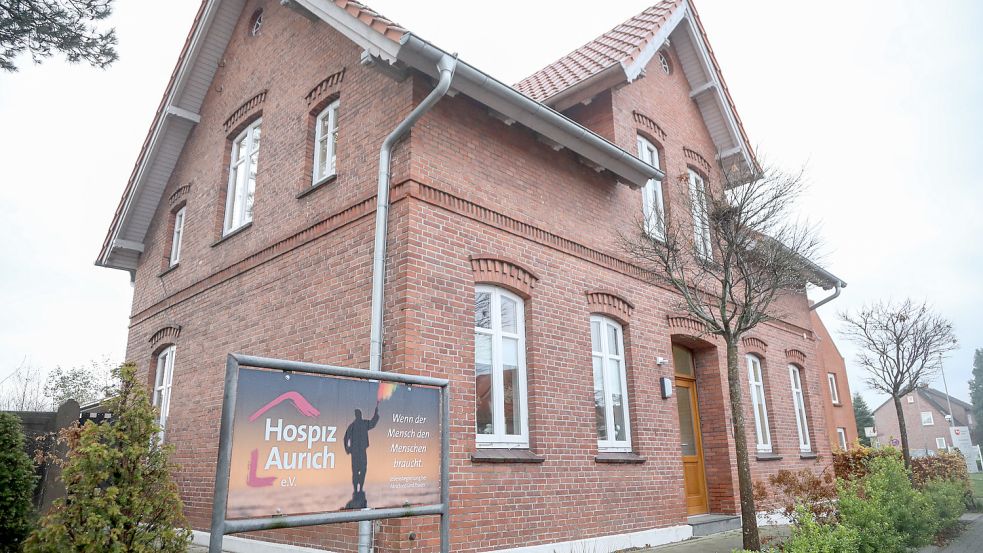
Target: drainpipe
x=839, y=286
x=446, y=66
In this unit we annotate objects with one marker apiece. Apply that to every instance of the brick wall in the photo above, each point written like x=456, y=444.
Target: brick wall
x=296, y=285
x=838, y=415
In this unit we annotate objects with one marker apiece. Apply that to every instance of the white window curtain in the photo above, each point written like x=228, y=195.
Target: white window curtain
x=798, y=403
x=653, y=208
x=610, y=385
x=761, y=429
x=242, y=178
x=325, y=141
x=162, y=387
x=500, y=369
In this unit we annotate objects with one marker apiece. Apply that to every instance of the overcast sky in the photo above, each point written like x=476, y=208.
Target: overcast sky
x=880, y=100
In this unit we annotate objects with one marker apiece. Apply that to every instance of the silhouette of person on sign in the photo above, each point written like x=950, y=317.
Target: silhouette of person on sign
x=356, y=442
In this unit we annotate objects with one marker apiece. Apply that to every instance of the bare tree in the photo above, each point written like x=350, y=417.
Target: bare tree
x=23, y=390
x=731, y=256
x=902, y=346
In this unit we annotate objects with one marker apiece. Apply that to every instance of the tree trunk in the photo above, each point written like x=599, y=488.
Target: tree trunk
x=749, y=515
x=904, y=435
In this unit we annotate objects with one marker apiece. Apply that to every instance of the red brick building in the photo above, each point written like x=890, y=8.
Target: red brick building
x=503, y=272
x=841, y=424
x=925, y=412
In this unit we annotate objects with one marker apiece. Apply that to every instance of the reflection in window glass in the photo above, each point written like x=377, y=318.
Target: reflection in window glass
x=610, y=386
x=500, y=371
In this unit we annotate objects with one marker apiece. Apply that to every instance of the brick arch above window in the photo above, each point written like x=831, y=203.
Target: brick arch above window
x=603, y=302
x=244, y=113
x=755, y=344
x=167, y=333
x=795, y=356
x=491, y=269
x=179, y=196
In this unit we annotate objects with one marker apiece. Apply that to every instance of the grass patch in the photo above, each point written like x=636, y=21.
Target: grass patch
x=977, y=481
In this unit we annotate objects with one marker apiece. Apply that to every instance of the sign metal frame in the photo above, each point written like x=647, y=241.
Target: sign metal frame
x=222, y=526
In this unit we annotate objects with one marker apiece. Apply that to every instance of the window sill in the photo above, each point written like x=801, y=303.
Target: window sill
x=318, y=185
x=836, y=404
x=619, y=458
x=488, y=455
x=762, y=456
x=233, y=233
x=808, y=455
x=169, y=269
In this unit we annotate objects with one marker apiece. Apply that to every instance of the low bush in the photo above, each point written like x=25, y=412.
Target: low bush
x=795, y=490
x=810, y=536
x=948, y=499
x=17, y=480
x=120, y=496
x=888, y=514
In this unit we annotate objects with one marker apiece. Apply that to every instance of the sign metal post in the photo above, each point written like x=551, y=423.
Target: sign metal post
x=222, y=526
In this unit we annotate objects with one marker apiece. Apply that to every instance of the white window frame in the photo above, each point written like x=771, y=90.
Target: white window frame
x=652, y=192
x=330, y=142
x=931, y=418
x=799, y=405
x=841, y=432
x=237, y=196
x=701, y=223
x=163, y=378
x=500, y=439
x=834, y=393
x=911, y=399
x=940, y=444
x=177, y=235
x=605, y=355
x=757, y=386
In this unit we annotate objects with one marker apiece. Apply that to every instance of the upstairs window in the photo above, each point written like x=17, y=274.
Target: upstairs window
x=176, y=236
x=756, y=378
x=162, y=387
x=834, y=393
x=928, y=419
x=242, y=178
x=799, y=404
x=325, y=139
x=653, y=209
x=701, y=217
x=610, y=385
x=500, y=369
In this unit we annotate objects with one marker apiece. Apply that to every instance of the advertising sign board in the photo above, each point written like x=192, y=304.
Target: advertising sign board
x=962, y=442
x=305, y=443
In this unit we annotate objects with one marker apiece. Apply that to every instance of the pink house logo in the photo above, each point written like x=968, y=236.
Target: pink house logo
x=304, y=407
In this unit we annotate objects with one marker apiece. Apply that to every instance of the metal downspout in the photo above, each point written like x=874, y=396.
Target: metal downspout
x=832, y=297
x=446, y=66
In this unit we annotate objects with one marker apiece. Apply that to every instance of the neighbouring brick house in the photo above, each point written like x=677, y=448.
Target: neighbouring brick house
x=503, y=200
x=841, y=423
x=924, y=411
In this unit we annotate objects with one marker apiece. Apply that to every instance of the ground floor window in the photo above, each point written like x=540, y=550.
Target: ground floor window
x=798, y=403
x=163, y=378
x=610, y=384
x=761, y=429
x=841, y=433
x=500, y=369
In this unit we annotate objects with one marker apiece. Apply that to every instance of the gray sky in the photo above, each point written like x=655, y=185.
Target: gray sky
x=879, y=100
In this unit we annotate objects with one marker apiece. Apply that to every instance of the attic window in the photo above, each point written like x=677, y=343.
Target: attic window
x=256, y=22
x=664, y=60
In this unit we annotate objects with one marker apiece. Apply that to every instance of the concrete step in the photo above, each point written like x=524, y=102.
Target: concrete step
x=704, y=525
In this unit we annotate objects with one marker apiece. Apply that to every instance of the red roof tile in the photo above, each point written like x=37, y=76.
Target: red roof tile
x=620, y=45
x=378, y=22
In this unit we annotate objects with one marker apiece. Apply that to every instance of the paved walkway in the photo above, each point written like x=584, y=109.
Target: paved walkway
x=970, y=541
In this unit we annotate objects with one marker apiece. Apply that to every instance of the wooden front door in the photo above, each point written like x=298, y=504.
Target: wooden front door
x=691, y=444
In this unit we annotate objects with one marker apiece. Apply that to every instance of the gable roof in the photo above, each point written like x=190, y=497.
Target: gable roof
x=387, y=45
x=936, y=399
x=620, y=46
x=621, y=55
